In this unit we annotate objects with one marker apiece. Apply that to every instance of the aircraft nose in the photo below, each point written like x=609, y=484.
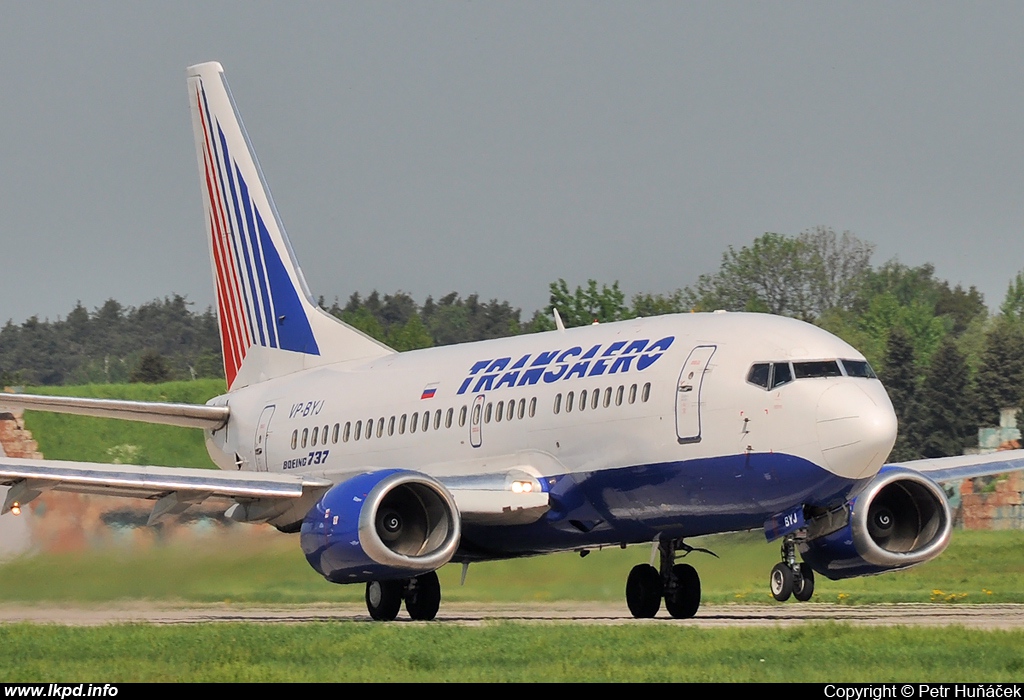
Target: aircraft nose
x=856, y=428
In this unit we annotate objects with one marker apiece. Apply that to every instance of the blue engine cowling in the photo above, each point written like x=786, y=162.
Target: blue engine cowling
x=901, y=519
x=381, y=525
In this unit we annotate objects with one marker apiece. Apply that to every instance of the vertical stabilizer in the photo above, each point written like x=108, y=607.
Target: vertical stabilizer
x=269, y=323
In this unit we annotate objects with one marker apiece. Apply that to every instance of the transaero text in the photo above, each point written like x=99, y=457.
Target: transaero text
x=558, y=365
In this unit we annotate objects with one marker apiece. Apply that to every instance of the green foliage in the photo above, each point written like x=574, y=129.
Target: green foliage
x=803, y=276
x=939, y=426
x=915, y=318
x=584, y=306
x=645, y=305
x=898, y=375
x=1000, y=377
x=104, y=346
x=1013, y=305
x=152, y=369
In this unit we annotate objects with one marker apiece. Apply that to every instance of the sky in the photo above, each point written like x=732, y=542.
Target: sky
x=494, y=147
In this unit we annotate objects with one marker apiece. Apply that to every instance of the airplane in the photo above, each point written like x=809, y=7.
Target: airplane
x=390, y=465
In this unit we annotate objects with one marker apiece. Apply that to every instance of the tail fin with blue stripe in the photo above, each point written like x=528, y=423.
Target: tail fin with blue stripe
x=269, y=324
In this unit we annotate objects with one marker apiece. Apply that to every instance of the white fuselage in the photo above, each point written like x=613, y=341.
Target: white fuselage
x=673, y=393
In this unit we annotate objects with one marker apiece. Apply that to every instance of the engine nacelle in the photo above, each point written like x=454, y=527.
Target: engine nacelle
x=901, y=519
x=381, y=525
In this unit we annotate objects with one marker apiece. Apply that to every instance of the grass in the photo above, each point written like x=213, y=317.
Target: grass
x=267, y=567
x=351, y=651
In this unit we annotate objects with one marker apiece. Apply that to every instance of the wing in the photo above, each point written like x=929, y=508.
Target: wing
x=258, y=495
x=184, y=415
x=945, y=469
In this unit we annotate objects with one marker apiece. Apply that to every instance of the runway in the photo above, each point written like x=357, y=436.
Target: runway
x=474, y=614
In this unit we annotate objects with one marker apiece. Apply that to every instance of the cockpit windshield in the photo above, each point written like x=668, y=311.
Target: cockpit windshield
x=769, y=375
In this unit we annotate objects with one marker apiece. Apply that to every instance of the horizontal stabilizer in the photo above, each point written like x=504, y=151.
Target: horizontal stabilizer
x=180, y=414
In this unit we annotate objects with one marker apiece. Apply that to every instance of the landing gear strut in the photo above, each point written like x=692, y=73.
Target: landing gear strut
x=678, y=584
x=422, y=596
x=789, y=578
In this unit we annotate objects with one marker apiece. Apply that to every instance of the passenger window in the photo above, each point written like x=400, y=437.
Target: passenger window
x=295, y=439
x=558, y=404
x=522, y=408
x=414, y=422
x=511, y=410
x=607, y=397
x=476, y=414
x=632, y=394
x=401, y=424
x=448, y=417
x=348, y=431
x=305, y=436
x=487, y=412
x=533, y=407
x=569, y=399
x=618, y=395
x=334, y=435
x=391, y=426
x=437, y=419
x=312, y=439
x=501, y=411
x=359, y=430
x=583, y=400
x=426, y=421
x=758, y=374
x=462, y=417
x=380, y=427
x=595, y=398
x=646, y=393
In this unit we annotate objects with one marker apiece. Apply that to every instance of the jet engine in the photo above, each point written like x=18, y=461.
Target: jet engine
x=381, y=525
x=901, y=519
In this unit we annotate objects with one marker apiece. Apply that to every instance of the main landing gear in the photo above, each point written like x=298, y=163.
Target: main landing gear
x=789, y=578
x=678, y=584
x=422, y=596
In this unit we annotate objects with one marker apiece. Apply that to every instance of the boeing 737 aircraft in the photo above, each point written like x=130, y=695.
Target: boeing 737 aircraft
x=390, y=465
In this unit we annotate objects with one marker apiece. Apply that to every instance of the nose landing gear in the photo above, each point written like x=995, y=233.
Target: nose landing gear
x=788, y=578
x=678, y=584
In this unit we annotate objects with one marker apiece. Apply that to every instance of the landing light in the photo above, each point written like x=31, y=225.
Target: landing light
x=16, y=508
x=522, y=486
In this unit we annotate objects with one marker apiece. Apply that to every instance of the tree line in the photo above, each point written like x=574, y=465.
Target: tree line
x=948, y=364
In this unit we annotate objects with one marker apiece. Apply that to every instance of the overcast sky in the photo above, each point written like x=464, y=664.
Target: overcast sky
x=495, y=147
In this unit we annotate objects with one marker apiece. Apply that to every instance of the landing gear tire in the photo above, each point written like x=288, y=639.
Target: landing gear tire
x=803, y=586
x=643, y=591
x=683, y=601
x=384, y=599
x=781, y=582
x=423, y=597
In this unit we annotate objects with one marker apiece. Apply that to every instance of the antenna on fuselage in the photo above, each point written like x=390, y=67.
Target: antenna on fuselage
x=558, y=319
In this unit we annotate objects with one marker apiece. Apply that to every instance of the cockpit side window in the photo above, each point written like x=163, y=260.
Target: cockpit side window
x=859, y=368
x=781, y=374
x=816, y=369
x=759, y=374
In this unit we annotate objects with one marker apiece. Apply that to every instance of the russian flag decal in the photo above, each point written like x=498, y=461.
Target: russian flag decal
x=429, y=391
